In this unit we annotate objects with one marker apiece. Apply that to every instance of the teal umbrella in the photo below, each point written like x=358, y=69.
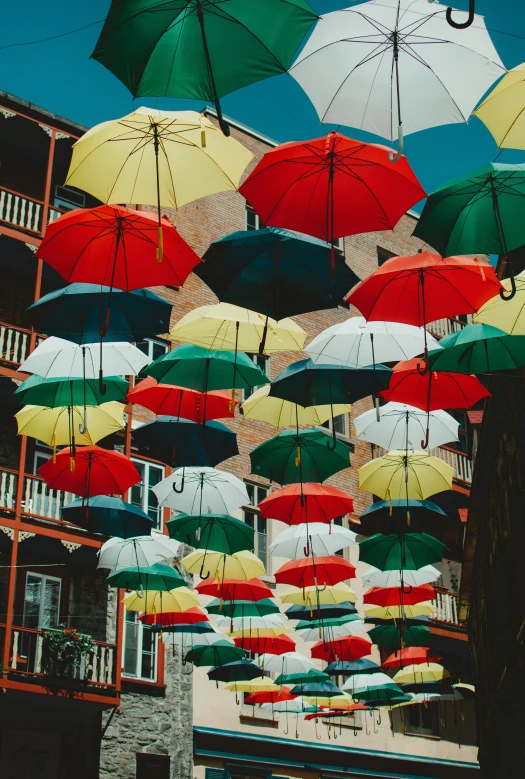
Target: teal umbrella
x=108, y=515
x=401, y=552
x=242, y=608
x=200, y=49
x=238, y=671
x=155, y=577
x=37, y=391
x=217, y=532
x=479, y=349
x=219, y=653
x=313, y=675
x=395, y=636
x=300, y=456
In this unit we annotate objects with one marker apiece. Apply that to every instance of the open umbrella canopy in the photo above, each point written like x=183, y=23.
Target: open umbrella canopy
x=158, y=601
x=298, y=706
x=242, y=608
x=330, y=630
x=195, y=491
x=310, y=502
x=178, y=442
x=316, y=538
x=293, y=457
x=399, y=596
x=420, y=673
x=502, y=110
x=312, y=675
x=275, y=272
x=413, y=475
x=241, y=626
x=410, y=655
x=60, y=425
x=263, y=684
x=282, y=413
x=117, y=247
x=403, y=427
x=57, y=358
x=287, y=663
x=109, y=516
x=397, y=552
x=196, y=629
x=345, y=668
x=395, y=512
x=166, y=400
x=347, y=649
x=95, y=471
x=237, y=671
x=270, y=645
x=271, y=696
x=508, y=315
x=156, y=577
x=61, y=391
x=314, y=597
x=315, y=384
x=139, y=552
x=217, y=565
x=399, y=612
x=235, y=589
x=78, y=312
x=227, y=328
x=316, y=689
x=323, y=570
x=205, y=369
x=321, y=611
x=397, y=636
x=188, y=618
x=217, y=532
x=479, y=349
x=219, y=653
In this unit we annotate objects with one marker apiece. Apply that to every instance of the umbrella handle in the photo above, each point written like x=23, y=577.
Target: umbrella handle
x=462, y=25
x=406, y=590
x=323, y=588
x=83, y=427
x=175, y=488
x=306, y=549
x=424, y=443
x=101, y=385
x=394, y=157
x=201, y=572
x=512, y=292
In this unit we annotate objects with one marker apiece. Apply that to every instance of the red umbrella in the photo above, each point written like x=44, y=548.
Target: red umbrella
x=344, y=649
x=399, y=596
x=307, y=186
x=270, y=645
x=235, y=589
x=116, y=246
x=316, y=570
x=319, y=503
x=90, y=471
x=276, y=696
x=411, y=655
x=326, y=712
x=167, y=400
x=188, y=617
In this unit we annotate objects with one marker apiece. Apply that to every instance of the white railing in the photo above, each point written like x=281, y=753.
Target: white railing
x=442, y=327
x=8, y=482
x=446, y=607
x=14, y=344
x=54, y=213
x=20, y=211
x=42, y=501
x=461, y=463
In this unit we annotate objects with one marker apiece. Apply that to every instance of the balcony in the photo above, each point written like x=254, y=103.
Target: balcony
x=39, y=500
x=461, y=463
x=14, y=344
x=8, y=482
x=443, y=327
x=446, y=607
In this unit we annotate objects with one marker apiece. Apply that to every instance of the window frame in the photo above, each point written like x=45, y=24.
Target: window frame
x=151, y=343
x=328, y=425
x=253, y=508
x=146, y=489
x=258, y=223
x=141, y=628
x=255, y=357
x=43, y=577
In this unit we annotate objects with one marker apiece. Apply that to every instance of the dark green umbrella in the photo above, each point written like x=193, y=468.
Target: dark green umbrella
x=391, y=515
x=217, y=532
x=109, y=516
x=478, y=349
x=327, y=623
x=381, y=696
x=200, y=49
x=179, y=442
x=395, y=636
x=238, y=671
x=480, y=213
x=204, y=370
x=326, y=610
x=313, y=675
x=275, y=272
x=397, y=552
x=37, y=391
x=197, y=628
x=303, y=456
x=220, y=653
x=242, y=608
x=156, y=577
x=316, y=689
x=346, y=668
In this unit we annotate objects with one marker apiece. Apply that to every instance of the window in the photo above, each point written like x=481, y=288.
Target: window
x=339, y=521
x=340, y=423
x=421, y=720
x=42, y=601
x=462, y=444
x=153, y=348
x=67, y=199
x=252, y=517
x=263, y=362
x=383, y=255
x=253, y=220
x=139, y=648
x=42, y=454
x=142, y=495
x=152, y=766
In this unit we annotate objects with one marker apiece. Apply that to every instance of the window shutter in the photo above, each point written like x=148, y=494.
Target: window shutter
x=152, y=766
x=215, y=773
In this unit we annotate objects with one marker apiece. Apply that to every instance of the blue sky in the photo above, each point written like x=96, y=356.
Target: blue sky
x=58, y=75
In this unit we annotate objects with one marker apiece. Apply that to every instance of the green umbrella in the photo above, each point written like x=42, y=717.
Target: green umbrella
x=327, y=623
x=482, y=212
x=313, y=675
x=156, y=577
x=220, y=653
x=200, y=49
x=37, y=391
x=242, y=608
x=238, y=671
x=394, y=636
x=408, y=551
x=299, y=456
x=204, y=370
x=478, y=349
x=216, y=532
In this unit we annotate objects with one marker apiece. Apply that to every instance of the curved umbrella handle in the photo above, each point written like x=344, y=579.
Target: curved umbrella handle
x=461, y=25
x=423, y=370
x=503, y=295
x=101, y=385
x=424, y=443
x=333, y=443
x=201, y=572
x=82, y=428
x=394, y=157
x=306, y=549
x=406, y=590
x=323, y=588
x=175, y=488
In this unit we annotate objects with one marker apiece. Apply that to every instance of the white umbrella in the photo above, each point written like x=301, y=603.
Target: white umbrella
x=402, y=427
x=298, y=705
x=202, y=491
x=316, y=538
x=251, y=623
x=362, y=682
x=287, y=663
x=373, y=577
x=332, y=632
x=358, y=343
x=58, y=358
x=189, y=640
x=141, y=551
x=394, y=66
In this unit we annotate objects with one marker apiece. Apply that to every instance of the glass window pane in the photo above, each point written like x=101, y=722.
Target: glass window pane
x=131, y=630
x=51, y=603
x=249, y=518
x=340, y=424
x=136, y=493
x=251, y=494
x=158, y=349
x=32, y=601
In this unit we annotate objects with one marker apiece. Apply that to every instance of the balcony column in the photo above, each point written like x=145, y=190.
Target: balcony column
x=47, y=191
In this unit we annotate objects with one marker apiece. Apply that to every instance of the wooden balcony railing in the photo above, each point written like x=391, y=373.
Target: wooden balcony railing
x=442, y=327
x=461, y=463
x=39, y=500
x=446, y=607
x=8, y=482
x=96, y=668
x=20, y=211
x=14, y=344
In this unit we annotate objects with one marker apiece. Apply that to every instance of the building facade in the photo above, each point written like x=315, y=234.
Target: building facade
x=135, y=709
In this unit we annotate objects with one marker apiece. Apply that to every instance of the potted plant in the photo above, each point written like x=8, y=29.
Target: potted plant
x=63, y=650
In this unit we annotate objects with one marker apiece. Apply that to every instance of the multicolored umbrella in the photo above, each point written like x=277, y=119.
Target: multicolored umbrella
x=166, y=400
x=178, y=442
x=397, y=552
x=109, y=516
x=310, y=502
x=217, y=532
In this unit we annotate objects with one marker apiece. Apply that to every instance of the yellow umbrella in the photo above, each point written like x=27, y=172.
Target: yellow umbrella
x=397, y=475
x=397, y=612
x=259, y=684
x=282, y=413
x=342, y=702
x=162, y=158
x=260, y=632
x=311, y=596
x=508, y=315
x=158, y=601
x=217, y=565
x=418, y=674
x=60, y=425
x=503, y=110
